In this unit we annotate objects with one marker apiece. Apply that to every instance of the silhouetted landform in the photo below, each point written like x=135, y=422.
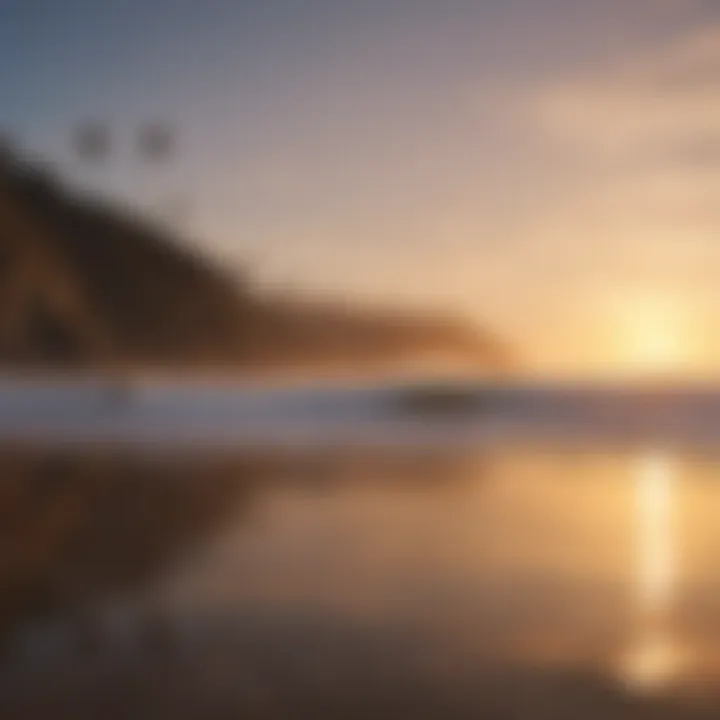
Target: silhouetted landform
x=83, y=283
x=331, y=332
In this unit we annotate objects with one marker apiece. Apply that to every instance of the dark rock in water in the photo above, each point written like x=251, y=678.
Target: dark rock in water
x=441, y=400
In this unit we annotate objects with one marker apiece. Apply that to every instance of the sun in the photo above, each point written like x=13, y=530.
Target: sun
x=653, y=338
x=657, y=344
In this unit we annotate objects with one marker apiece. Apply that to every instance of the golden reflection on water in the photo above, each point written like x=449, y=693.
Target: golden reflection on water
x=655, y=542
x=653, y=661
x=654, y=656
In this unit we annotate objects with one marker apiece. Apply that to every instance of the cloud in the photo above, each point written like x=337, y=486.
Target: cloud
x=639, y=144
x=665, y=101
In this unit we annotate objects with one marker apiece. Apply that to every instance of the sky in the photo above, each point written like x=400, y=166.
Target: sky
x=550, y=168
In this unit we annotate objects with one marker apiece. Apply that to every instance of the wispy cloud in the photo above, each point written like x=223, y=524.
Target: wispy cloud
x=663, y=100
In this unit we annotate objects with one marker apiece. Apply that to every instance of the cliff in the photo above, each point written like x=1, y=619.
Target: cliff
x=89, y=284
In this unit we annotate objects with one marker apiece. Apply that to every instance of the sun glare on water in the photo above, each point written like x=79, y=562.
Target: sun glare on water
x=655, y=546
x=654, y=658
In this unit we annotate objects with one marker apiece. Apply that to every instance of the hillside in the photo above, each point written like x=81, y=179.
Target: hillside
x=310, y=332
x=88, y=284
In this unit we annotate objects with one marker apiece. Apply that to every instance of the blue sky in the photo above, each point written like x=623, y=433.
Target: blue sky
x=506, y=159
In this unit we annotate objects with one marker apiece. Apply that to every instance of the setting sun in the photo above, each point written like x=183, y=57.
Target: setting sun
x=653, y=338
x=657, y=344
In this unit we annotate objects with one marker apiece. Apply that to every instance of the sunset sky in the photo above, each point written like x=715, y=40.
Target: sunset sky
x=549, y=166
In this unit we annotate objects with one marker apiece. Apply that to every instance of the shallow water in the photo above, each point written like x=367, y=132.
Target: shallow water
x=515, y=581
